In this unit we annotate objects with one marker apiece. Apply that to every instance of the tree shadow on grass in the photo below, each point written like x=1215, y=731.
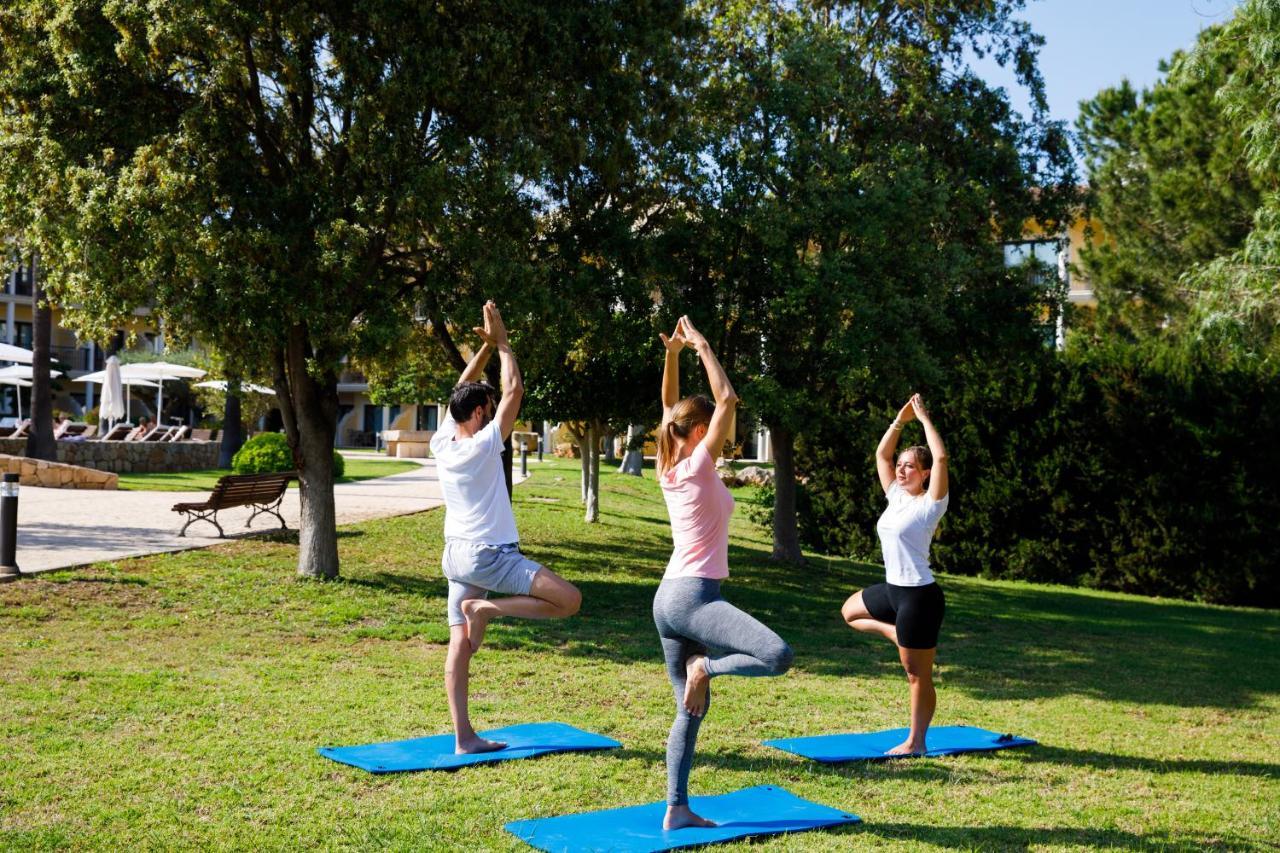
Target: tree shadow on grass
x=1024, y=838
x=997, y=642
x=1110, y=761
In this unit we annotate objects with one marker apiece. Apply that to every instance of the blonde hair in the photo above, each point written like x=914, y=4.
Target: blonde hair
x=685, y=415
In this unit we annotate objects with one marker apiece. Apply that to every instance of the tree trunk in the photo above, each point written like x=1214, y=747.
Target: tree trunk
x=232, y=429
x=580, y=436
x=41, y=444
x=633, y=454
x=609, y=455
x=591, y=466
x=786, y=537
x=309, y=406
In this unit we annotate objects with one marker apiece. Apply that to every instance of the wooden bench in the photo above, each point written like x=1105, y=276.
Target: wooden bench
x=263, y=492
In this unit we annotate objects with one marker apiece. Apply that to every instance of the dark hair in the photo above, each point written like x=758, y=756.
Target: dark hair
x=469, y=396
x=924, y=459
x=685, y=415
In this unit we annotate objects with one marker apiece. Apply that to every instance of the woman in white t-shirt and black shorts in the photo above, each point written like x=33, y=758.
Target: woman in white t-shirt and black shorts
x=907, y=609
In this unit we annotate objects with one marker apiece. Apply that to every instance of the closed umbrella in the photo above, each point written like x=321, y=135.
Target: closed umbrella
x=113, y=402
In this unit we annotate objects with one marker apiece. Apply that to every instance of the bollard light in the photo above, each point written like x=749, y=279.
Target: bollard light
x=9, y=528
x=539, y=447
x=524, y=458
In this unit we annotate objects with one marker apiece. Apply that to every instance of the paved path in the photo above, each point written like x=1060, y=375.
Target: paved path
x=59, y=528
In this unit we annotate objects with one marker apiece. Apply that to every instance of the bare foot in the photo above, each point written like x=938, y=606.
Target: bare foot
x=476, y=744
x=679, y=817
x=477, y=612
x=696, y=682
x=907, y=748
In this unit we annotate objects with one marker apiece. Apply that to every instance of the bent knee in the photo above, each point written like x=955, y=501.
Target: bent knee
x=570, y=600
x=780, y=658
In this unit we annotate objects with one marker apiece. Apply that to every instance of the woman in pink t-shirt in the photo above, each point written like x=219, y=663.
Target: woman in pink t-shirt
x=702, y=634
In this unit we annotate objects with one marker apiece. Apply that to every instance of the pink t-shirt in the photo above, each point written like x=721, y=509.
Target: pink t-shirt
x=699, y=506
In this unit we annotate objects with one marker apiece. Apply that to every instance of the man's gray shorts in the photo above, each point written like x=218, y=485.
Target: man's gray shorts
x=475, y=570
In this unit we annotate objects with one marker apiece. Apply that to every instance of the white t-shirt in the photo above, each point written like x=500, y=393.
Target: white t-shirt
x=477, y=507
x=906, y=529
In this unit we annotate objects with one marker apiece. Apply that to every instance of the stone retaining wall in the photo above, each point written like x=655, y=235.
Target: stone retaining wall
x=128, y=456
x=55, y=475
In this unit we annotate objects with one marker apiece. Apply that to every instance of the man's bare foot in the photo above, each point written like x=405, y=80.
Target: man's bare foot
x=907, y=748
x=477, y=612
x=696, y=682
x=679, y=817
x=476, y=744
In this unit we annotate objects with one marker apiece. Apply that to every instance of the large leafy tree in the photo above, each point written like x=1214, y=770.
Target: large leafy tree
x=1170, y=184
x=855, y=182
x=1237, y=295
x=275, y=178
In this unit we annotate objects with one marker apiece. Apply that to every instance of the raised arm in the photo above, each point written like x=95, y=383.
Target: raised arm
x=671, y=369
x=938, y=477
x=721, y=389
x=474, y=370
x=495, y=334
x=889, y=444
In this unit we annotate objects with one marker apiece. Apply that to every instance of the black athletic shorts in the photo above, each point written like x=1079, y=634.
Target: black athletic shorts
x=915, y=610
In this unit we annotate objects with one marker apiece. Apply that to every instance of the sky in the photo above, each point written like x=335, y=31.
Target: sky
x=1093, y=44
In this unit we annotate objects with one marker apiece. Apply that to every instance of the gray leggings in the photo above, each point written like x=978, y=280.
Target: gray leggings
x=693, y=619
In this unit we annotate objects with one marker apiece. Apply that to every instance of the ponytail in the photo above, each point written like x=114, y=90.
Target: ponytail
x=684, y=416
x=666, y=447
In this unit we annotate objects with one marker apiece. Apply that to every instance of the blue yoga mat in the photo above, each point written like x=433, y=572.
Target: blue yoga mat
x=436, y=752
x=871, y=746
x=763, y=810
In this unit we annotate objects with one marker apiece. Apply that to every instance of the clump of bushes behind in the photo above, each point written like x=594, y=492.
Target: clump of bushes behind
x=1111, y=466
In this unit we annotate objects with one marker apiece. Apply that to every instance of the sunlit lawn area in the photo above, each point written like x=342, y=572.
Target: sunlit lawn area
x=176, y=701
x=204, y=480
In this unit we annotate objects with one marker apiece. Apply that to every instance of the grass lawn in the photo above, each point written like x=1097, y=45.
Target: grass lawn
x=204, y=480
x=176, y=701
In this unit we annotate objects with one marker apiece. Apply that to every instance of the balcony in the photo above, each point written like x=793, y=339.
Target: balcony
x=77, y=358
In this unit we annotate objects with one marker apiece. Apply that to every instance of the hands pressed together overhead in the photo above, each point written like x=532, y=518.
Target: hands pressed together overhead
x=685, y=335
x=494, y=331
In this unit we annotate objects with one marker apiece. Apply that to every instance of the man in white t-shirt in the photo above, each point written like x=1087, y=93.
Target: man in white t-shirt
x=481, y=546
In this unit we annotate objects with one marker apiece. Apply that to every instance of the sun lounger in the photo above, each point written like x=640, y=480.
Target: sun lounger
x=118, y=433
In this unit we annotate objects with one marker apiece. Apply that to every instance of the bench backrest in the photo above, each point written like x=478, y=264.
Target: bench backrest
x=240, y=489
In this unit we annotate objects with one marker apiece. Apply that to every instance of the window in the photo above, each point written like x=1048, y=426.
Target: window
x=22, y=335
x=428, y=418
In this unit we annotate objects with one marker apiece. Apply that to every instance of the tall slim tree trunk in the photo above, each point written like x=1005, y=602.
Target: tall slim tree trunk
x=633, y=454
x=40, y=444
x=609, y=455
x=786, y=537
x=232, y=429
x=309, y=406
x=591, y=457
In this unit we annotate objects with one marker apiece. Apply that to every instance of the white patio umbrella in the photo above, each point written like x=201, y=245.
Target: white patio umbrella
x=20, y=375
x=23, y=371
x=160, y=371
x=221, y=385
x=8, y=352
x=17, y=383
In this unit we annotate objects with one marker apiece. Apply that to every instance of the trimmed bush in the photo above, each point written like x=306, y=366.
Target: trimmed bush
x=269, y=453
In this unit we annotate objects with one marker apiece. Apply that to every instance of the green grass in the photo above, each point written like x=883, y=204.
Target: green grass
x=176, y=701
x=204, y=480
